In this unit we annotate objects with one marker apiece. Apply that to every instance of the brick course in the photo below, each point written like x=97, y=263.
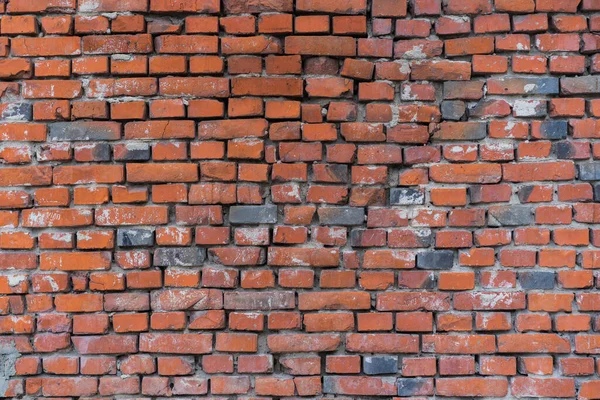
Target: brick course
x=312, y=198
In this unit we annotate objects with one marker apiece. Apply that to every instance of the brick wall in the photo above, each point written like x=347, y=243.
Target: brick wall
x=313, y=198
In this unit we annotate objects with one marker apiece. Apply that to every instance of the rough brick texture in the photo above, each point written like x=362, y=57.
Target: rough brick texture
x=268, y=199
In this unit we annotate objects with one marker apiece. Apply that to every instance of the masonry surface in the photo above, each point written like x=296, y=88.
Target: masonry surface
x=278, y=199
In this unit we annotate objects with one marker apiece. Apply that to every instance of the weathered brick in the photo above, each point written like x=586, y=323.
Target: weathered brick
x=240, y=7
x=253, y=214
x=84, y=131
x=259, y=301
x=380, y=365
x=536, y=280
x=177, y=343
x=403, y=197
x=117, y=44
x=439, y=259
x=194, y=86
x=203, y=6
x=538, y=86
x=579, y=85
x=510, y=215
x=589, y=171
x=46, y=46
x=179, y=257
x=441, y=70
x=487, y=387
x=232, y=129
x=341, y=215
x=309, y=45
x=194, y=44
x=131, y=237
x=415, y=386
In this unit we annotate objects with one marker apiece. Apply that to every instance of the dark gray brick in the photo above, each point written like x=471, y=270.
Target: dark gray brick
x=406, y=196
x=135, y=237
x=435, y=259
x=536, y=280
x=469, y=130
x=82, y=130
x=580, y=85
x=17, y=112
x=510, y=215
x=379, y=365
x=597, y=192
x=544, y=86
x=415, y=386
x=453, y=110
x=553, y=129
x=179, y=257
x=565, y=150
x=525, y=192
x=102, y=152
x=341, y=216
x=329, y=384
x=266, y=214
x=589, y=171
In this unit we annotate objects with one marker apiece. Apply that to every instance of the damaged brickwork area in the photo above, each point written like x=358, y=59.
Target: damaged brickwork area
x=299, y=199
